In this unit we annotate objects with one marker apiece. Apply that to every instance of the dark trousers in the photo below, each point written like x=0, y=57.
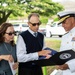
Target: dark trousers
x=30, y=71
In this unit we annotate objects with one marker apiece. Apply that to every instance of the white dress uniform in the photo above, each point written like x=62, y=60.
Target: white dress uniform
x=68, y=42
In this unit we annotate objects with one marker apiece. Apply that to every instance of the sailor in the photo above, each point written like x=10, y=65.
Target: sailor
x=67, y=18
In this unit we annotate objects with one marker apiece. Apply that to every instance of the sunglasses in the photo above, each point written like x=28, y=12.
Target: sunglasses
x=34, y=24
x=10, y=34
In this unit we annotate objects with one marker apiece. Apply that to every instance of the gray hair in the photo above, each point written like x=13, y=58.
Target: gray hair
x=32, y=14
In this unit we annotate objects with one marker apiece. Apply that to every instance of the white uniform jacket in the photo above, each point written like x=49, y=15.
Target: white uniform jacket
x=68, y=42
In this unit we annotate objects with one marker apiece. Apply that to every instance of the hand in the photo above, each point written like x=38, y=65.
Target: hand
x=0, y=57
x=44, y=53
x=7, y=57
x=15, y=66
x=48, y=56
x=62, y=67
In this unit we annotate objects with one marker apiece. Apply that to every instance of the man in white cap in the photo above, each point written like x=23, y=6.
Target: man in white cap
x=67, y=18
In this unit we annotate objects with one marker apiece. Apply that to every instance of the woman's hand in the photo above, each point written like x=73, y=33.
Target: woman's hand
x=15, y=65
x=7, y=57
x=0, y=57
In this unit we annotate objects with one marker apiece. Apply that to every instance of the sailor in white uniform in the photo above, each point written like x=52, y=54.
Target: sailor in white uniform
x=67, y=18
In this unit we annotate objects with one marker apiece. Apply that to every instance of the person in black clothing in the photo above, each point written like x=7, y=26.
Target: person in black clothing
x=30, y=45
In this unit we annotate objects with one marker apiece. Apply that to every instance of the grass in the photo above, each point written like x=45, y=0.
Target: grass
x=54, y=44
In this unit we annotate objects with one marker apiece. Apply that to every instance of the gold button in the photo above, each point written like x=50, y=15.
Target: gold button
x=70, y=34
x=72, y=44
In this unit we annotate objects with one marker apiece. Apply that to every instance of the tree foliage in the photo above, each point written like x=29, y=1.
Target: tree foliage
x=16, y=7
x=44, y=7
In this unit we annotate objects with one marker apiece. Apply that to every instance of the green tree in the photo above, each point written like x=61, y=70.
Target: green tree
x=8, y=7
x=44, y=7
x=19, y=7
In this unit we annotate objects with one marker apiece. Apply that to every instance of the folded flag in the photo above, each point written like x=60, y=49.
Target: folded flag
x=52, y=52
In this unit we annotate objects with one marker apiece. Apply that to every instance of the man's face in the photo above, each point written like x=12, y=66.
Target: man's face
x=68, y=24
x=34, y=23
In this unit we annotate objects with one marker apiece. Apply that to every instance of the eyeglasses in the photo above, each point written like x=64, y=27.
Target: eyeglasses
x=10, y=34
x=34, y=24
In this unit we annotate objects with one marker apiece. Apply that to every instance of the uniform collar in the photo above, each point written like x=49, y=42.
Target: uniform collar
x=72, y=30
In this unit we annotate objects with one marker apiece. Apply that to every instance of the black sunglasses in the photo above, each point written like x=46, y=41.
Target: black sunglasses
x=10, y=34
x=34, y=24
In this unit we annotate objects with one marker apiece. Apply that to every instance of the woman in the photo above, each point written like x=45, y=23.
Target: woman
x=7, y=49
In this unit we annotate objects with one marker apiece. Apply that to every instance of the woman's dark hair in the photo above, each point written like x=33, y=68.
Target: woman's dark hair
x=3, y=28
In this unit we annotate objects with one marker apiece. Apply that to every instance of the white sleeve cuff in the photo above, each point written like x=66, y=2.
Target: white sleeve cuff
x=71, y=65
x=35, y=56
